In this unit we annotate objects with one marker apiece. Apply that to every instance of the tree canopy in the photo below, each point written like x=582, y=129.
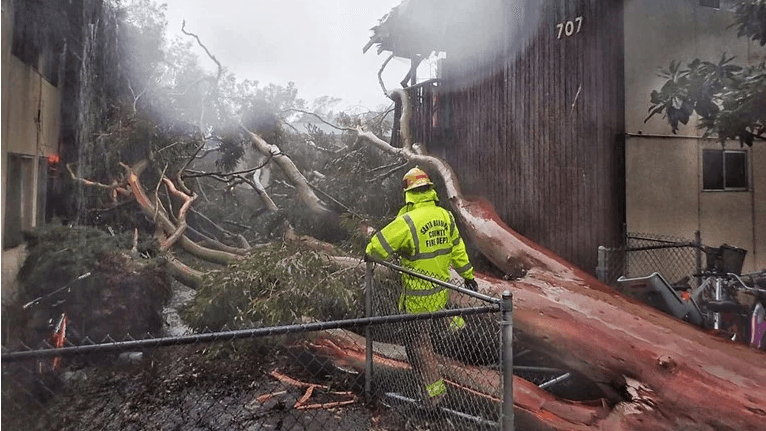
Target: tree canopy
x=730, y=99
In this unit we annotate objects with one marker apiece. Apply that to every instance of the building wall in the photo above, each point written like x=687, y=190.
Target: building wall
x=538, y=131
x=31, y=122
x=6, y=31
x=663, y=171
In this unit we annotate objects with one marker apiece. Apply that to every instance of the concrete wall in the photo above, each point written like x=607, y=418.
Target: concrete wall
x=31, y=120
x=6, y=30
x=34, y=116
x=664, y=196
x=663, y=171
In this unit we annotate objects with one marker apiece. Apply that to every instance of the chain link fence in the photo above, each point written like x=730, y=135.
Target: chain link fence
x=381, y=372
x=453, y=368
x=678, y=260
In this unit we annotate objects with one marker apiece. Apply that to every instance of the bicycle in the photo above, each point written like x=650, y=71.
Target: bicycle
x=725, y=302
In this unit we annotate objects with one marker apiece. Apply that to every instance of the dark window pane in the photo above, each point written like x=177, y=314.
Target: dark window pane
x=712, y=170
x=13, y=198
x=736, y=170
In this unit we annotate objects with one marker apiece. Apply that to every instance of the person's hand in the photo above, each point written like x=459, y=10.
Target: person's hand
x=366, y=257
x=472, y=284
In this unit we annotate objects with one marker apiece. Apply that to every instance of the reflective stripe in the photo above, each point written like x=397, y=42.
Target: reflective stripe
x=456, y=242
x=425, y=292
x=457, y=323
x=384, y=243
x=414, y=234
x=451, y=225
x=436, y=388
x=463, y=269
x=431, y=254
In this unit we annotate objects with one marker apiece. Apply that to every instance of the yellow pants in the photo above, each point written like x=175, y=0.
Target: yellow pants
x=420, y=352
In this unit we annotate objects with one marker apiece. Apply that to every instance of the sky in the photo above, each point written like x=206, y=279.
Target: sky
x=316, y=44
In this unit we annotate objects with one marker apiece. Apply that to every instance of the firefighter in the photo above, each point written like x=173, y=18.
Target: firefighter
x=425, y=237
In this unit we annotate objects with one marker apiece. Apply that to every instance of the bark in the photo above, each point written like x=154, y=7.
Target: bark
x=686, y=376
x=183, y=273
x=309, y=242
x=168, y=226
x=181, y=224
x=261, y=192
x=304, y=192
x=673, y=375
x=213, y=243
x=535, y=408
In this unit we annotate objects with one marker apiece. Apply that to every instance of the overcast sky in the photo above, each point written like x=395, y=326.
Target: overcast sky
x=316, y=44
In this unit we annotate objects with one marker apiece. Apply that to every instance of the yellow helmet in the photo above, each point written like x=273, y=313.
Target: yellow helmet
x=415, y=178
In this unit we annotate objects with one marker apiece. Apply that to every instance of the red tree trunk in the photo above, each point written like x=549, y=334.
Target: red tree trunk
x=673, y=375
x=535, y=409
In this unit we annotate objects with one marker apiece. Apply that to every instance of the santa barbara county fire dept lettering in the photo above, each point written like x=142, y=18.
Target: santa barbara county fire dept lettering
x=437, y=232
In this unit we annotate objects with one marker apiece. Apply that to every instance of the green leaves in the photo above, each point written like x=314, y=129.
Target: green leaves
x=277, y=284
x=751, y=17
x=673, y=100
x=729, y=99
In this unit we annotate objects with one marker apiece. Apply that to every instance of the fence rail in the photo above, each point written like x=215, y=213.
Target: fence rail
x=679, y=260
x=345, y=374
x=413, y=340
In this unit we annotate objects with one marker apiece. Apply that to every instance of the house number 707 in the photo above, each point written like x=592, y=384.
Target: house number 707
x=568, y=28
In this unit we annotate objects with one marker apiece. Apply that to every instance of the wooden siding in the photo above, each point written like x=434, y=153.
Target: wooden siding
x=540, y=131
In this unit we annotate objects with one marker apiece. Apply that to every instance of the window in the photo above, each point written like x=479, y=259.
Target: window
x=19, y=199
x=724, y=170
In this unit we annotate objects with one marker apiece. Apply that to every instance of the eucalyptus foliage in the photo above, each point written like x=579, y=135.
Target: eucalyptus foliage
x=277, y=284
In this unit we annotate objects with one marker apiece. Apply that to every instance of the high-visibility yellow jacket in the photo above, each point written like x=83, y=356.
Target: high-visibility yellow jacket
x=427, y=240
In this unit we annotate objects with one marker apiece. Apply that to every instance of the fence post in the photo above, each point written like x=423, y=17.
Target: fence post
x=368, y=288
x=698, y=255
x=506, y=358
x=602, y=270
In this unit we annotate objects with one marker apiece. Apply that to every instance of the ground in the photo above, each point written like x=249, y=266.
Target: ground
x=199, y=387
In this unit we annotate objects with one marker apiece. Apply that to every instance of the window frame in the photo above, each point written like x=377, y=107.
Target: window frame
x=725, y=188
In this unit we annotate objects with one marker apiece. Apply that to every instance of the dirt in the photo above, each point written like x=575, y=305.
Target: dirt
x=211, y=386
x=202, y=387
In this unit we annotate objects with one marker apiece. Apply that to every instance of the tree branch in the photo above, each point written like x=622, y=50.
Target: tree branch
x=181, y=225
x=345, y=129
x=380, y=75
x=305, y=194
x=164, y=222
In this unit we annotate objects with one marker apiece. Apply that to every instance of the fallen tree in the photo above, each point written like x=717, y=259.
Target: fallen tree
x=658, y=372
x=662, y=373
x=535, y=408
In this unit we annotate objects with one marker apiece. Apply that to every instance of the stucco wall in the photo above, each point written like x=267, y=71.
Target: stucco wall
x=658, y=31
x=663, y=171
x=759, y=211
x=6, y=29
x=31, y=120
x=31, y=95
x=652, y=205
x=664, y=196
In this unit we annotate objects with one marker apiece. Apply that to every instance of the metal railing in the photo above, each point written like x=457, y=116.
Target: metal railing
x=298, y=376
